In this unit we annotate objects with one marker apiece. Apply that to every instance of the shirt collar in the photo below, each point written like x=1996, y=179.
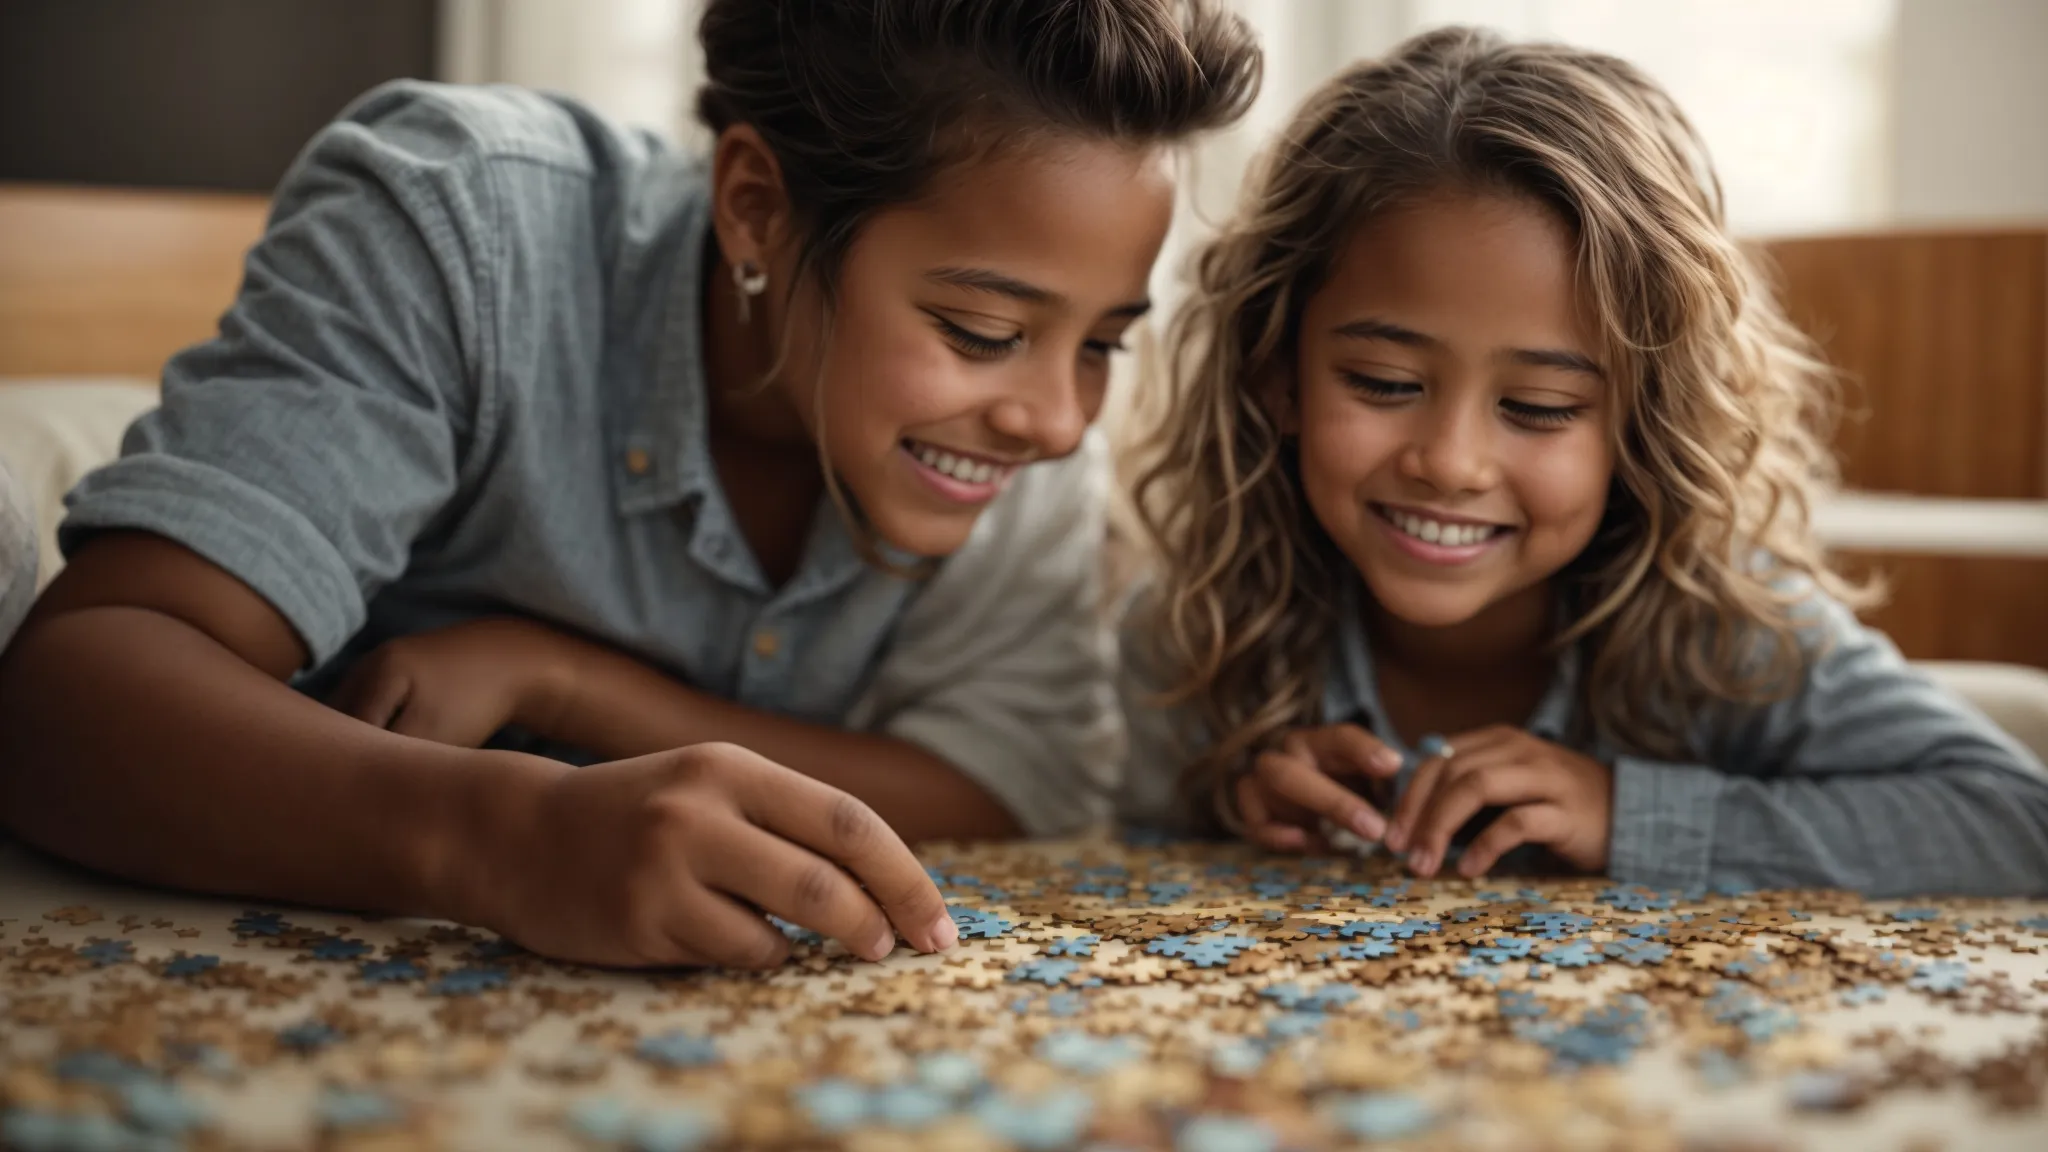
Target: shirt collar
x=1351, y=689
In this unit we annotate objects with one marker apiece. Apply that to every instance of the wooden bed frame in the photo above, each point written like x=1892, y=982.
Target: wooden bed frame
x=109, y=283
x=1945, y=335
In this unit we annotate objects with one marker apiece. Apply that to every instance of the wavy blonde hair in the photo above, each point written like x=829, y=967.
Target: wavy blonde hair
x=1726, y=410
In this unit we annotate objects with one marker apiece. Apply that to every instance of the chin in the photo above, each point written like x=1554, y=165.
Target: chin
x=929, y=537
x=1430, y=607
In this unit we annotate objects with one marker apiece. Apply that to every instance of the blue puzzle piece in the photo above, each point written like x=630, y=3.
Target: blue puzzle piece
x=104, y=953
x=1293, y=1025
x=1516, y=1004
x=1366, y=950
x=1074, y=946
x=1213, y=952
x=98, y=1066
x=1751, y=964
x=184, y=966
x=834, y=1105
x=795, y=933
x=1557, y=925
x=1504, y=949
x=469, y=981
x=1720, y=1070
x=1087, y=1054
x=1405, y=1019
x=1383, y=1116
x=337, y=948
x=1225, y=1134
x=677, y=1049
x=1050, y=972
x=159, y=1107
x=1577, y=954
x=1037, y=1123
x=601, y=1119
x=1913, y=915
x=1942, y=977
x=909, y=1106
x=259, y=924
x=1645, y=931
x=35, y=1130
x=351, y=1108
x=1635, y=899
x=975, y=924
x=392, y=971
x=953, y=1073
x=1637, y=953
x=2035, y=924
x=672, y=1129
x=1863, y=994
x=1165, y=893
x=308, y=1036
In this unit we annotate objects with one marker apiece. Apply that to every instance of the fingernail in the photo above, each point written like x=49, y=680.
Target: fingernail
x=1369, y=824
x=1423, y=862
x=883, y=944
x=1397, y=838
x=944, y=934
x=1387, y=758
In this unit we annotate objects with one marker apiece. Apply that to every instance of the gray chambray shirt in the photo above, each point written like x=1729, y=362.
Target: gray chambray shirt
x=1869, y=777
x=464, y=377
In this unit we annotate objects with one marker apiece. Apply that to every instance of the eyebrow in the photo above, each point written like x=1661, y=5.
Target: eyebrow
x=1534, y=357
x=996, y=283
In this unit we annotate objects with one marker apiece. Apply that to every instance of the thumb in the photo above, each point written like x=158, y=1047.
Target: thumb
x=375, y=696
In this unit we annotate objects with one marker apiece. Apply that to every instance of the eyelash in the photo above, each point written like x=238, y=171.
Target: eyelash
x=1533, y=415
x=980, y=347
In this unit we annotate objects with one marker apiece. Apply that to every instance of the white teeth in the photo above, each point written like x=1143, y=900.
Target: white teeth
x=958, y=467
x=1438, y=532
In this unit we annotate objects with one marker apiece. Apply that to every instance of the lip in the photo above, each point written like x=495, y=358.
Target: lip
x=1447, y=555
x=952, y=488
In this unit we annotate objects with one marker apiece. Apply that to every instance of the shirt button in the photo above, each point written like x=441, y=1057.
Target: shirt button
x=637, y=462
x=766, y=644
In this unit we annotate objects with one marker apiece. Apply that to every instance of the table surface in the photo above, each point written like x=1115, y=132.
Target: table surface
x=1198, y=997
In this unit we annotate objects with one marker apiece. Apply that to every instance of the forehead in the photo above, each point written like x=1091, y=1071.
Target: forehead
x=1481, y=270
x=1083, y=218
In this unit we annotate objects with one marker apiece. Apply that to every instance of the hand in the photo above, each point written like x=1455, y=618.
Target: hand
x=1290, y=790
x=460, y=685
x=1553, y=796
x=671, y=859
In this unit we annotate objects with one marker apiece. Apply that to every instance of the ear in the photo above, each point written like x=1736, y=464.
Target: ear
x=749, y=206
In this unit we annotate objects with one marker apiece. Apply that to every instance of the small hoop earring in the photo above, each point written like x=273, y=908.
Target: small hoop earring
x=751, y=282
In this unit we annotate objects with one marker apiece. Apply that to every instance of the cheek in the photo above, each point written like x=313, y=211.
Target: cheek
x=1342, y=441
x=1564, y=483
x=883, y=374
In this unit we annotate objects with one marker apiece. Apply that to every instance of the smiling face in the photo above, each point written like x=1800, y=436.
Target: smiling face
x=1454, y=423
x=972, y=331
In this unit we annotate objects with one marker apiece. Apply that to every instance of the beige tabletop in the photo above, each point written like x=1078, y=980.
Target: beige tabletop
x=1192, y=997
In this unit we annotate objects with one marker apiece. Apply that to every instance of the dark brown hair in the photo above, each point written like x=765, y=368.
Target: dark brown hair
x=865, y=102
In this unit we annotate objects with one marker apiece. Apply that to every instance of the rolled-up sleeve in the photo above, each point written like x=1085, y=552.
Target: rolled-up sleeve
x=1870, y=777
x=1002, y=665
x=306, y=446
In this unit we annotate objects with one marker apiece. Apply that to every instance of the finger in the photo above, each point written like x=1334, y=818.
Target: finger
x=796, y=884
x=1298, y=780
x=1464, y=790
x=1401, y=828
x=1478, y=747
x=712, y=928
x=1351, y=746
x=839, y=827
x=1528, y=824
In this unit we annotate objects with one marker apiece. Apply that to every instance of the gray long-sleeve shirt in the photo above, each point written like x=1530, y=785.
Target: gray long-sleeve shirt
x=1869, y=777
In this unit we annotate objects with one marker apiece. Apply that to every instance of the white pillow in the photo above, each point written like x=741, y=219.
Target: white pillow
x=55, y=430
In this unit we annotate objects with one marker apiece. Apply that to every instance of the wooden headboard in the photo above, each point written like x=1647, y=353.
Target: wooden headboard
x=1944, y=338
x=112, y=282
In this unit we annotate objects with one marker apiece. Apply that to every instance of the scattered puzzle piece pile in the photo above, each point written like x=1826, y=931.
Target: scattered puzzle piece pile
x=1194, y=997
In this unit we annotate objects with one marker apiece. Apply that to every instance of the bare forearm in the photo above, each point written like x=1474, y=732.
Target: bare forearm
x=620, y=708
x=132, y=742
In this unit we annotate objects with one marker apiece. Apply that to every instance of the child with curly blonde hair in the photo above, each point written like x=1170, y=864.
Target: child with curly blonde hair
x=1480, y=507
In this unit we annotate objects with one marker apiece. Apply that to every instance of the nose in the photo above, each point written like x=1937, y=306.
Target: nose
x=1049, y=409
x=1452, y=449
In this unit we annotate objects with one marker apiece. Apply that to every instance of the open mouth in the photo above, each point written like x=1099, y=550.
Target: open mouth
x=958, y=475
x=1439, y=539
